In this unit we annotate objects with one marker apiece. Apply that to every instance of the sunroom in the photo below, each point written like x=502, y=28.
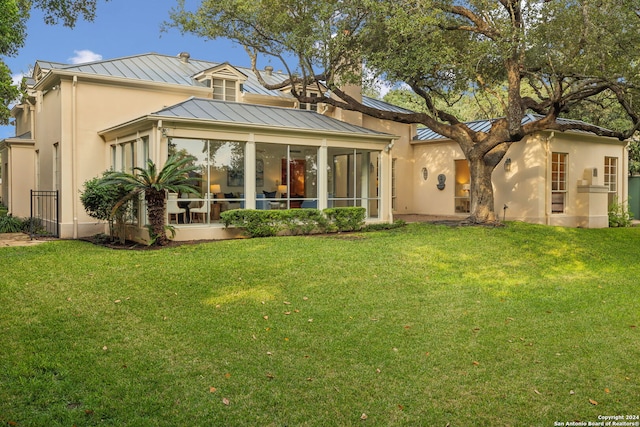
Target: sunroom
x=256, y=157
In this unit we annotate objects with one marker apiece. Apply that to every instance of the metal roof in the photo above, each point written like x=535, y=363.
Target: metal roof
x=426, y=134
x=251, y=114
x=381, y=105
x=160, y=68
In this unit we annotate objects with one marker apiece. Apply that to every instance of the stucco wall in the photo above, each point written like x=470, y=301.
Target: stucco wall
x=524, y=186
x=71, y=116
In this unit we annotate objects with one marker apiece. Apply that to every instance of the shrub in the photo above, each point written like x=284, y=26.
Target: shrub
x=99, y=201
x=304, y=221
x=346, y=219
x=257, y=223
x=619, y=215
x=11, y=224
x=265, y=223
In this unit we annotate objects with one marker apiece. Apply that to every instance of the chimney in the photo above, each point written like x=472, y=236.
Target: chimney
x=269, y=70
x=184, y=57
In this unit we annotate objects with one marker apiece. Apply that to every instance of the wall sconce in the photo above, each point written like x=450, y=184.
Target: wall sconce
x=425, y=174
x=507, y=165
x=164, y=132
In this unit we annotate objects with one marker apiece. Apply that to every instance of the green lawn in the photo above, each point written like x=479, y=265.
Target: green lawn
x=420, y=326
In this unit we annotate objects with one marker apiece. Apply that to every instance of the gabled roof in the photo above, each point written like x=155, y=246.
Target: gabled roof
x=426, y=134
x=235, y=113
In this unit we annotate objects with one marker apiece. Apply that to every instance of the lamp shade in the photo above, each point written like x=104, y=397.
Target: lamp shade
x=466, y=187
x=215, y=188
x=282, y=189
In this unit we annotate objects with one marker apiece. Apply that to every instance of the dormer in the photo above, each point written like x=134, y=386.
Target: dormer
x=312, y=92
x=225, y=80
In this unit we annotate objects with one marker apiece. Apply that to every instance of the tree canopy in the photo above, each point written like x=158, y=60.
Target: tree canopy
x=547, y=57
x=14, y=15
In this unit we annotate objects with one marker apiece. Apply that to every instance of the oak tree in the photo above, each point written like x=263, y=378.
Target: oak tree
x=549, y=56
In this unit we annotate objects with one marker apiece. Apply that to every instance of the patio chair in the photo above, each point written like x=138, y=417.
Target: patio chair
x=174, y=209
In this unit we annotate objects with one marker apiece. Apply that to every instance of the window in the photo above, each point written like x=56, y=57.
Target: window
x=558, y=182
x=462, y=197
x=128, y=156
x=219, y=178
x=353, y=179
x=224, y=89
x=310, y=105
x=394, y=193
x=286, y=176
x=611, y=177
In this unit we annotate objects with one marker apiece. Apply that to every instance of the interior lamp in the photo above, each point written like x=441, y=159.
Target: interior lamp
x=282, y=189
x=466, y=188
x=215, y=188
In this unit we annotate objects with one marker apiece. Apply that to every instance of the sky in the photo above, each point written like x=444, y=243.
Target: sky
x=121, y=28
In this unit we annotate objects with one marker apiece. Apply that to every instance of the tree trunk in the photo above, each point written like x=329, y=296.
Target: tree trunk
x=482, y=199
x=156, y=209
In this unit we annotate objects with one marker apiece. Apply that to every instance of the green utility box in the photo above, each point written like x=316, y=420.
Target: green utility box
x=634, y=196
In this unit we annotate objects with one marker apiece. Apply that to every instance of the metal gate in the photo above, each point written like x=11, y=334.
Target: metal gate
x=44, y=214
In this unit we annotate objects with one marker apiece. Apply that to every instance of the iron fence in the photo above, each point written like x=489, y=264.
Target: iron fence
x=45, y=214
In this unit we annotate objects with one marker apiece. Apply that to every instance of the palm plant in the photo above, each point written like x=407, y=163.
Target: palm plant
x=173, y=177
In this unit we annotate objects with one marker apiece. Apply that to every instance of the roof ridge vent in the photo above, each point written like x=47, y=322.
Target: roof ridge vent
x=184, y=57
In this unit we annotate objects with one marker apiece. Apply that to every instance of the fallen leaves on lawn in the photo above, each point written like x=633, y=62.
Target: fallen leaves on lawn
x=212, y=389
x=226, y=401
x=536, y=391
x=476, y=363
x=364, y=416
x=593, y=402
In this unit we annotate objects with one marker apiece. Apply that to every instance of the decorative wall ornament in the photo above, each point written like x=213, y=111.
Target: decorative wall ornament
x=441, y=179
x=425, y=174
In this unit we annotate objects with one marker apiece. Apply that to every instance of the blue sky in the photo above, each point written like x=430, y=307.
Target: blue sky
x=121, y=28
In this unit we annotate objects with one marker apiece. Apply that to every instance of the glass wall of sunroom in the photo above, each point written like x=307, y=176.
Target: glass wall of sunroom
x=354, y=179
x=287, y=176
x=219, y=178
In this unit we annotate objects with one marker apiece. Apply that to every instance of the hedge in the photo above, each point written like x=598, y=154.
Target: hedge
x=264, y=223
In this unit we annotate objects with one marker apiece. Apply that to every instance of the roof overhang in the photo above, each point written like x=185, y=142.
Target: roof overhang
x=148, y=121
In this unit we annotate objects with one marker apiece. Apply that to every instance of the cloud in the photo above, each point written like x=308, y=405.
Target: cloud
x=84, y=55
x=17, y=78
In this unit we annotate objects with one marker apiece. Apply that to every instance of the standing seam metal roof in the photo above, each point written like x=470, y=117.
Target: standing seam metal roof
x=170, y=69
x=426, y=134
x=214, y=110
x=277, y=117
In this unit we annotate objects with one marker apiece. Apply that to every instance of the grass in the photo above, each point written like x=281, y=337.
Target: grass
x=425, y=325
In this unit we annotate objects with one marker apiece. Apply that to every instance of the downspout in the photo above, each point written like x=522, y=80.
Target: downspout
x=74, y=155
x=547, y=186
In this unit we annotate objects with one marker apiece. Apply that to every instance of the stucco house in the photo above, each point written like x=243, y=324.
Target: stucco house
x=261, y=149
